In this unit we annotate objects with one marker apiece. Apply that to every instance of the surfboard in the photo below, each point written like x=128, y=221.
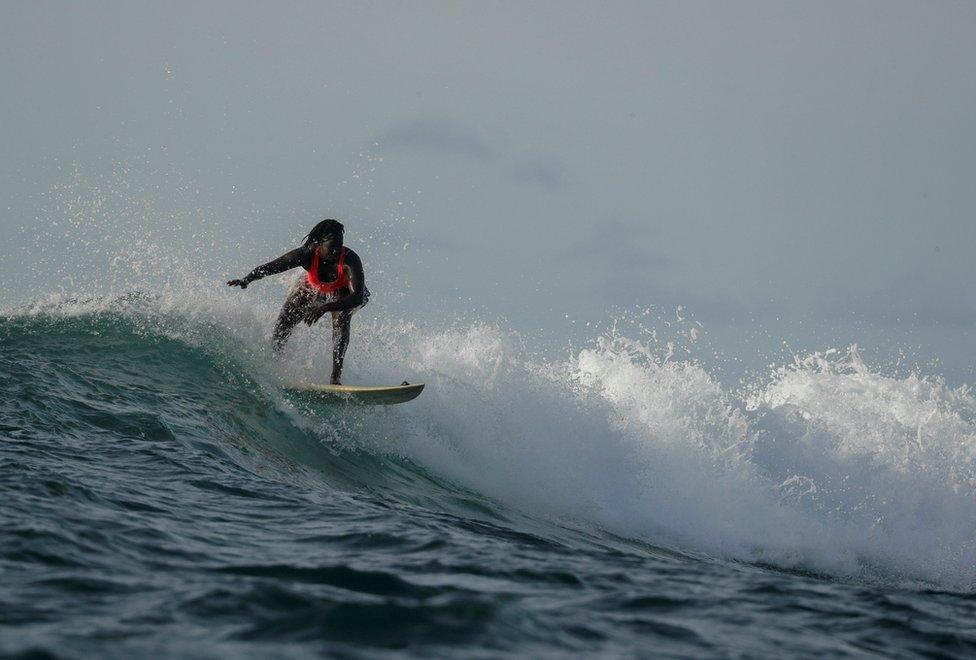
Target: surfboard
x=356, y=394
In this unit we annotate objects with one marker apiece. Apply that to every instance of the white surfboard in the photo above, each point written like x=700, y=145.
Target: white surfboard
x=357, y=394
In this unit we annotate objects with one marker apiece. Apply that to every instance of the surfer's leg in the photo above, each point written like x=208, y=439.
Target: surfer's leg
x=340, y=341
x=292, y=312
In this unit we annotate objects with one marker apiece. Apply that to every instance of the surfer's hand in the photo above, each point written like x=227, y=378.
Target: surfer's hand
x=240, y=283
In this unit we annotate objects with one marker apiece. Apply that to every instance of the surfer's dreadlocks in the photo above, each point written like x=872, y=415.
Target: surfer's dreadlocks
x=325, y=229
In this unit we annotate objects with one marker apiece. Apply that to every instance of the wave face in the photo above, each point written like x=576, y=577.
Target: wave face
x=160, y=490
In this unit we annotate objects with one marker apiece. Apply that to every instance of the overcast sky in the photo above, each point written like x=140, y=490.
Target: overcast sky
x=800, y=171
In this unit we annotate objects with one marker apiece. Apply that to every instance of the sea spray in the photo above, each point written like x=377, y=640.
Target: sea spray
x=826, y=466
x=889, y=464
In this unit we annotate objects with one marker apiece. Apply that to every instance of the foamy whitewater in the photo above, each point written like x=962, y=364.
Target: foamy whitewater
x=616, y=458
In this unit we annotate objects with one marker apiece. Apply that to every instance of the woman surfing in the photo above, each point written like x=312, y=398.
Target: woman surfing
x=335, y=283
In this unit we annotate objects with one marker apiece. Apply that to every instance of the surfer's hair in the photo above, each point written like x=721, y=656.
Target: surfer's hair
x=328, y=228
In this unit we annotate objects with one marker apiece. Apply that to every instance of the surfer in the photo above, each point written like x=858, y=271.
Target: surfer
x=335, y=283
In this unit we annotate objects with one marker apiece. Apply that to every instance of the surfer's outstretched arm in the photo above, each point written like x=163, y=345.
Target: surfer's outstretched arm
x=285, y=262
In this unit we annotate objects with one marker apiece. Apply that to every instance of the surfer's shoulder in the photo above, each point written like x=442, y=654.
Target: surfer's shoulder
x=302, y=253
x=353, y=258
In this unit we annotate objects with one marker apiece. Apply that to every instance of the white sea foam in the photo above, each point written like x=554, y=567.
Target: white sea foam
x=827, y=466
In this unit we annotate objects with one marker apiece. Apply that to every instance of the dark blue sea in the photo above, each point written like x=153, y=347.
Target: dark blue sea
x=161, y=496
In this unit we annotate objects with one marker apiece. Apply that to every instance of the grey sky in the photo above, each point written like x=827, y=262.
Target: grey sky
x=804, y=167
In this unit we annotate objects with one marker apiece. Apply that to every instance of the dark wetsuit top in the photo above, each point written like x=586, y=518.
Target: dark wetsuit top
x=303, y=257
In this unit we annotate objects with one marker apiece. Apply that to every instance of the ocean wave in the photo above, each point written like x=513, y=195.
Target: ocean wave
x=825, y=465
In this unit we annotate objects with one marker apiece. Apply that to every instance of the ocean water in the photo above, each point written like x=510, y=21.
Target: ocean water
x=161, y=497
